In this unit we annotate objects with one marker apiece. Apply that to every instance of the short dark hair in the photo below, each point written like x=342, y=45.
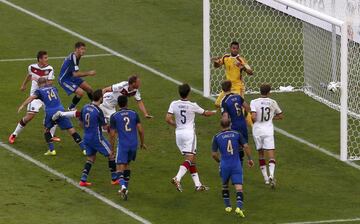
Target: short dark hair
x=184, y=90
x=132, y=79
x=226, y=85
x=265, y=89
x=225, y=122
x=234, y=43
x=97, y=95
x=79, y=44
x=41, y=80
x=40, y=54
x=122, y=101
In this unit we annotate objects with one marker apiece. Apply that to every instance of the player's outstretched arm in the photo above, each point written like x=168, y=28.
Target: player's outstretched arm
x=247, y=150
x=217, y=62
x=279, y=116
x=26, y=102
x=141, y=106
x=25, y=82
x=208, y=113
x=253, y=117
x=112, y=135
x=141, y=135
x=83, y=74
x=246, y=107
x=107, y=89
x=170, y=120
x=215, y=156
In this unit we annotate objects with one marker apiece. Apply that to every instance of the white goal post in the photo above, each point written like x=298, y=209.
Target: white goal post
x=288, y=44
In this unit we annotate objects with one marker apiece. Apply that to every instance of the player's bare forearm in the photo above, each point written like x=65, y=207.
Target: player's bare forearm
x=50, y=82
x=246, y=107
x=279, y=116
x=247, y=150
x=215, y=156
x=169, y=119
x=217, y=62
x=209, y=113
x=141, y=106
x=112, y=134
x=107, y=89
x=253, y=117
x=26, y=102
x=141, y=135
x=25, y=82
x=84, y=74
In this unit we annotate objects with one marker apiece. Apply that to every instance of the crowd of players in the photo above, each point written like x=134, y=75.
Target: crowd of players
x=102, y=115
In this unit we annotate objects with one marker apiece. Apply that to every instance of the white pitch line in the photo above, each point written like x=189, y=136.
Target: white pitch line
x=58, y=57
x=326, y=221
x=74, y=183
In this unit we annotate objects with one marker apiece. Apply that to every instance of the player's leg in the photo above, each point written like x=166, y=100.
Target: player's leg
x=91, y=156
x=262, y=162
x=103, y=147
x=76, y=99
x=239, y=200
x=269, y=146
x=68, y=114
x=127, y=171
x=51, y=150
x=65, y=123
x=20, y=126
x=87, y=88
x=225, y=177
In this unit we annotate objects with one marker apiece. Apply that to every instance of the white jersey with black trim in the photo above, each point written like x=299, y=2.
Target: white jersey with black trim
x=184, y=112
x=120, y=89
x=265, y=109
x=36, y=72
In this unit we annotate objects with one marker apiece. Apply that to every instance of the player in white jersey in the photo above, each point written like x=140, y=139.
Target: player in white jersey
x=35, y=71
x=184, y=112
x=263, y=111
x=126, y=88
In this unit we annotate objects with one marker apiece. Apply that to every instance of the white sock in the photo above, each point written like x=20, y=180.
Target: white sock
x=68, y=114
x=182, y=171
x=272, y=168
x=196, y=179
x=52, y=130
x=18, y=129
x=264, y=172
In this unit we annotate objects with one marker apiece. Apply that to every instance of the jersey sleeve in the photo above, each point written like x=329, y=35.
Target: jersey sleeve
x=277, y=108
x=37, y=93
x=215, y=146
x=29, y=70
x=112, y=122
x=101, y=118
x=74, y=61
x=51, y=75
x=197, y=109
x=171, y=109
x=223, y=107
x=117, y=87
x=137, y=95
x=252, y=106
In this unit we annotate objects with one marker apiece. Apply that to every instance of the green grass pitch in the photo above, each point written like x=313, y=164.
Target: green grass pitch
x=166, y=35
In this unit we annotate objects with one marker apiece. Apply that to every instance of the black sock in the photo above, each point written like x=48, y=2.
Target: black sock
x=86, y=170
x=127, y=177
x=90, y=95
x=112, y=168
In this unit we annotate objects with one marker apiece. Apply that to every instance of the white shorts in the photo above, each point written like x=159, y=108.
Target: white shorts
x=108, y=111
x=265, y=142
x=186, y=141
x=34, y=106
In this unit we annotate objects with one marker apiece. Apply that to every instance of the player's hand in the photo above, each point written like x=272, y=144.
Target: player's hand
x=92, y=73
x=22, y=88
x=143, y=146
x=250, y=163
x=148, y=116
x=20, y=108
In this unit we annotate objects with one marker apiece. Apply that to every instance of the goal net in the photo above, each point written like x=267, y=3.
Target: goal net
x=288, y=46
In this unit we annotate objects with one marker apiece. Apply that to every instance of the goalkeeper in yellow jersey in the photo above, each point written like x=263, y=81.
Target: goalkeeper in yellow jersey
x=235, y=67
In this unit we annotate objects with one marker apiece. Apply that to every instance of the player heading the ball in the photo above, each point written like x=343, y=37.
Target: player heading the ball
x=70, y=77
x=184, y=112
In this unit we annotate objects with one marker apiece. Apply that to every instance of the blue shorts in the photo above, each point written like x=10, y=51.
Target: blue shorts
x=63, y=122
x=70, y=85
x=100, y=145
x=125, y=154
x=233, y=173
